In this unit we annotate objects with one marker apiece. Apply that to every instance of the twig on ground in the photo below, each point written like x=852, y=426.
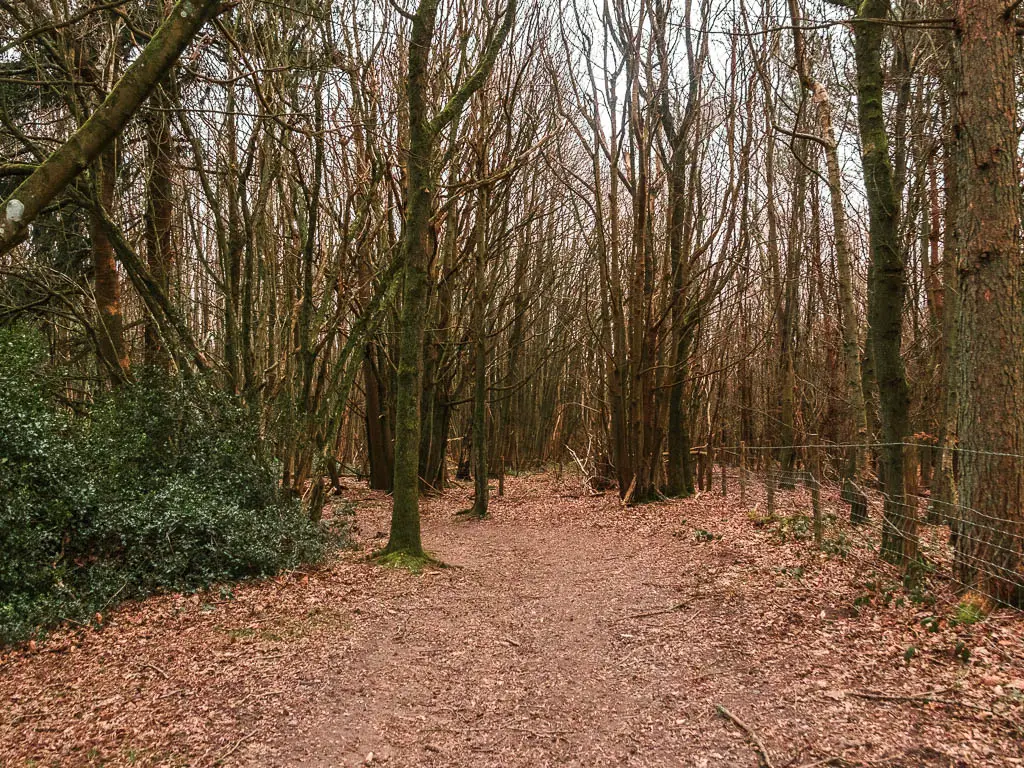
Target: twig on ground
x=551, y=734
x=259, y=695
x=232, y=749
x=660, y=612
x=27, y=716
x=156, y=669
x=766, y=759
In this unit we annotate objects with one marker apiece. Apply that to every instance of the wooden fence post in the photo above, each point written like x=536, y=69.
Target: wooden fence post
x=743, y=472
x=815, y=473
x=908, y=517
x=770, y=485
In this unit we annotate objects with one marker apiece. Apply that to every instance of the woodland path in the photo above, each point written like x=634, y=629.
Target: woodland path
x=529, y=653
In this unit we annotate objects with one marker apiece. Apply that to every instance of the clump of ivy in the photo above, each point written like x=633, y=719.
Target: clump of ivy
x=759, y=519
x=837, y=546
x=879, y=591
x=911, y=588
x=793, y=571
x=915, y=582
x=962, y=651
x=159, y=485
x=796, y=527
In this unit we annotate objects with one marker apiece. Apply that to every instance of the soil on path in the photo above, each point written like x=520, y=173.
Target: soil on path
x=571, y=632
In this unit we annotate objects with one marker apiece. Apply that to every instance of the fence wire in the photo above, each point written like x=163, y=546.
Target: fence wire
x=927, y=537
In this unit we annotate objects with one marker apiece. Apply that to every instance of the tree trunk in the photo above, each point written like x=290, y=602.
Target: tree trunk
x=379, y=441
x=945, y=497
x=988, y=552
x=417, y=246
x=160, y=256
x=886, y=279
x=844, y=265
x=113, y=355
x=479, y=331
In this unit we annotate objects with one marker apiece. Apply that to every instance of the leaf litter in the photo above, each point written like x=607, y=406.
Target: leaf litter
x=572, y=632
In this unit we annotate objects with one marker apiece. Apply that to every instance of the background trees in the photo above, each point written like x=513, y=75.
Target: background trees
x=625, y=235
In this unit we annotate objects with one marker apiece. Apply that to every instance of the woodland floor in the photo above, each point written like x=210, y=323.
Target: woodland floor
x=533, y=651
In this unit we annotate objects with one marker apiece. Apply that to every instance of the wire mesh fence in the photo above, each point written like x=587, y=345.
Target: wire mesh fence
x=833, y=496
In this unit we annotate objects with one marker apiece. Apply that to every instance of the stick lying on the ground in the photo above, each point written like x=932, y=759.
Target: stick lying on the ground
x=766, y=759
x=659, y=612
x=232, y=749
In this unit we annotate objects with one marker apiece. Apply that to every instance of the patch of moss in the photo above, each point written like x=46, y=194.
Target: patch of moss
x=406, y=561
x=969, y=611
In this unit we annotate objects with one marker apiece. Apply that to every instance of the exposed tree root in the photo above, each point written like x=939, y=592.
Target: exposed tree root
x=471, y=514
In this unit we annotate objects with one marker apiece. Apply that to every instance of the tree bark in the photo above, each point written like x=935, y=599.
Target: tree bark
x=113, y=354
x=844, y=265
x=159, y=237
x=945, y=496
x=886, y=279
x=988, y=552
x=479, y=331
x=379, y=440
x=417, y=246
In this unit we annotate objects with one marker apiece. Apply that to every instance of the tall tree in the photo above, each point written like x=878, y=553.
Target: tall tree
x=113, y=353
x=159, y=217
x=886, y=278
x=991, y=425
x=417, y=247
x=844, y=268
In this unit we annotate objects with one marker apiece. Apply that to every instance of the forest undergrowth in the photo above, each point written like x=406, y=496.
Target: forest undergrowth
x=569, y=631
x=161, y=485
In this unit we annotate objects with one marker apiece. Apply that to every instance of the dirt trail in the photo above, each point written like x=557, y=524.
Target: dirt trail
x=530, y=653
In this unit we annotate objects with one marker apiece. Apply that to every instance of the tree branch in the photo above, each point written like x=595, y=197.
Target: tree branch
x=103, y=126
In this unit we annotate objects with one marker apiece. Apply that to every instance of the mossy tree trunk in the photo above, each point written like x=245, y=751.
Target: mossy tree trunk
x=417, y=246
x=886, y=278
x=159, y=219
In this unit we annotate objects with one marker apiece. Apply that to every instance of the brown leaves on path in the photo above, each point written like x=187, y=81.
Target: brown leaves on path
x=574, y=632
